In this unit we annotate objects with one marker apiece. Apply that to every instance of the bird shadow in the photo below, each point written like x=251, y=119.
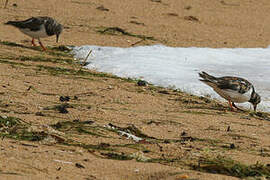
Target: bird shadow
x=60, y=50
x=218, y=108
x=12, y=44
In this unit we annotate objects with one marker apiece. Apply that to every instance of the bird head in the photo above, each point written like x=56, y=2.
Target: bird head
x=58, y=31
x=255, y=99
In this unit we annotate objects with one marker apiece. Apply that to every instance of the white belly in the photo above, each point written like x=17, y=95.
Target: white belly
x=35, y=34
x=234, y=96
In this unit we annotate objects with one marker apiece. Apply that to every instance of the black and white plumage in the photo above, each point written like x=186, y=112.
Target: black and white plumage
x=38, y=27
x=233, y=89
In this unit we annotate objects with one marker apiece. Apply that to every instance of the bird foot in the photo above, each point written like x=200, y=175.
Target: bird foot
x=40, y=43
x=234, y=108
x=237, y=108
x=33, y=42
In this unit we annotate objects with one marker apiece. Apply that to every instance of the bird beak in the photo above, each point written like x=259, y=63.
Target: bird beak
x=255, y=107
x=57, y=37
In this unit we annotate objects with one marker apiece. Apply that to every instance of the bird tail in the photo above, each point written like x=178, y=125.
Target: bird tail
x=13, y=23
x=206, y=77
x=10, y=23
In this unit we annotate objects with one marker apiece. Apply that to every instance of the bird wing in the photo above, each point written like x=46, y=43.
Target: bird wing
x=237, y=84
x=233, y=83
x=32, y=23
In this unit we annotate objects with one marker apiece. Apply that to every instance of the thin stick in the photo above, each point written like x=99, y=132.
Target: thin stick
x=137, y=42
x=84, y=62
x=6, y=4
x=87, y=57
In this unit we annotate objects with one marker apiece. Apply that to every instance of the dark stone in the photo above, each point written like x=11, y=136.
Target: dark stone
x=183, y=133
x=102, y=8
x=39, y=114
x=142, y=83
x=78, y=165
x=64, y=98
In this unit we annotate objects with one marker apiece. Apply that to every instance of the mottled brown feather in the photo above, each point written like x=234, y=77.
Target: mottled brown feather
x=228, y=82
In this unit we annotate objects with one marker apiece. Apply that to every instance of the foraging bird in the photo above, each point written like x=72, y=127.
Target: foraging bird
x=233, y=89
x=38, y=27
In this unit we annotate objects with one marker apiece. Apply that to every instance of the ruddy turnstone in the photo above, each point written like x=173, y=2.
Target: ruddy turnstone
x=38, y=27
x=233, y=89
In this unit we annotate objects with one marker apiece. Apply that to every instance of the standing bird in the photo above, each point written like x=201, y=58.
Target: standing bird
x=233, y=89
x=38, y=27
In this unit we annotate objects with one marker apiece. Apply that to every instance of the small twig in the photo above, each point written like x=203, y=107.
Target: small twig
x=84, y=61
x=6, y=4
x=137, y=42
x=87, y=57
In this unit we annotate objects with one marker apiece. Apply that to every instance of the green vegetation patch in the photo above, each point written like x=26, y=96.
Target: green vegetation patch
x=260, y=115
x=120, y=31
x=197, y=112
x=44, y=59
x=66, y=71
x=226, y=166
x=57, y=70
x=15, y=128
x=55, y=51
x=80, y=127
x=163, y=160
x=98, y=147
x=23, y=134
x=117, y=156
x=2, y=61
x=61, y=108
x=7, y=43
x=6, y=121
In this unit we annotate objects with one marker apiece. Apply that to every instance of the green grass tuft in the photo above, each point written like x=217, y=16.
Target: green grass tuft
x=117, y=156
x=120, y=31
x=226, y=166
x=7, y=121
x=80, y=127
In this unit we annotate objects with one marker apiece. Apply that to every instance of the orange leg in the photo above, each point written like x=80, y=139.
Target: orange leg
x=230, y=103
x=33, y=42
x=41, y=45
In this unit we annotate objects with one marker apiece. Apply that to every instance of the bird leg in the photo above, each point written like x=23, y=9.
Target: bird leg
x=237, y=107
x=33, y=42
x=230, y=104
x=40, y=43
